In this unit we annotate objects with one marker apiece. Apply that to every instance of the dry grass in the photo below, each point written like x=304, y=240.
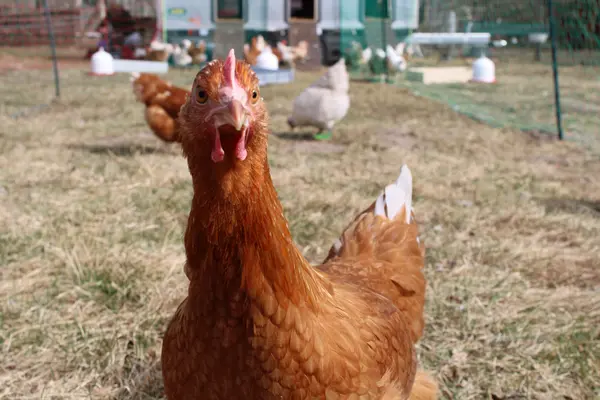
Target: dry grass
x=92, y=210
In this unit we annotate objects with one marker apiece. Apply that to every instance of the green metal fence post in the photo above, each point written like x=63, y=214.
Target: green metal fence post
x=52, y=47
x=555, y=71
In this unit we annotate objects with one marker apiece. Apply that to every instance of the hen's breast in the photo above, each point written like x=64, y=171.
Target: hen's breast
x=205, y=351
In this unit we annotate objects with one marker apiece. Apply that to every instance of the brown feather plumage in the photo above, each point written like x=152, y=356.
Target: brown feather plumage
x=259, y=321
x=163, y=102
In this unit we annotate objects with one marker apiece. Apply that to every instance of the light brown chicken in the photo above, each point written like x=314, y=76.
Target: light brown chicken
x=163, y=102
x=290, y=55
x=198, y=52
x=252, y=51
x=259, y=321
x=158, y=51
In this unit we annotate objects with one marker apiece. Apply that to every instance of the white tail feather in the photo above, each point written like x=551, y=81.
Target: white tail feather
x=396, y=196
x=134, y=76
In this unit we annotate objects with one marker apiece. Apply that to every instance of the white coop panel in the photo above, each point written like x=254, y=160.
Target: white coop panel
x=338, y=14
x=266, y=15
x=188, y=15
x=405, y=14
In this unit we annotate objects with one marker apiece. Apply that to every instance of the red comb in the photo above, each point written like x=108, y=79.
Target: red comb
x=229, y=69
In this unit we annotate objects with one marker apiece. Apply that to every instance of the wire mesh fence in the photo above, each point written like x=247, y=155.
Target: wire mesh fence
x=523, y=96
x=27, y=27
x=44, y=40
x=520, y=46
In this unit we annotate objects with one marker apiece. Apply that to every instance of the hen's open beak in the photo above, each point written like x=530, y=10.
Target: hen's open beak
x=231, y=116
x=236, y=114
x=231, y=122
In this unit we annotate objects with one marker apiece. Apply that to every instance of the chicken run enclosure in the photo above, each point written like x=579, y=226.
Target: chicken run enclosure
x=520, y=46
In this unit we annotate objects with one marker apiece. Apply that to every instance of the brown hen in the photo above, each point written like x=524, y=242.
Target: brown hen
x=163, y=102
x=259, y=321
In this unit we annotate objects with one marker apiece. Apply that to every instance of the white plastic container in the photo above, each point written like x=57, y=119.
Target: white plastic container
x=538, y=38
x=484, y=70
x=102, y=63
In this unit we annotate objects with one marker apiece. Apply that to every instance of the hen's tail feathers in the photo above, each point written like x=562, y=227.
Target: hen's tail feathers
x=424, y=387
x=134, y=76
x=394, y=202
x=396, y=197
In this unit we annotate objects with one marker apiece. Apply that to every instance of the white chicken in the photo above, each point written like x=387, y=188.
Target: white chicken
x=267, y=60
x=395, y=61
x=411, y=50
x=181, y=57
x=186, y=44
x=367, y=54
x=324, y=103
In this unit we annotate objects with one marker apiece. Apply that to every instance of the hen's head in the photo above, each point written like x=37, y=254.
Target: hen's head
x=224, y=119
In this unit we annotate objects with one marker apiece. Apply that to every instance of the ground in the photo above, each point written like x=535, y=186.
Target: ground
x=93, y=207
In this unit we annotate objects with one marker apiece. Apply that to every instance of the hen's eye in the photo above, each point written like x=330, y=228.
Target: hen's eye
x=201, y=96
x=254, y=96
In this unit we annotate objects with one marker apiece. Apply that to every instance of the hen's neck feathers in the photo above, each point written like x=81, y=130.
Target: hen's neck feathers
x=238, y=237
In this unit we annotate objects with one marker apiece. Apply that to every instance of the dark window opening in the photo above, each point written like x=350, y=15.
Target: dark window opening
x=229, y=9
x=377, y=9
x=302, y=9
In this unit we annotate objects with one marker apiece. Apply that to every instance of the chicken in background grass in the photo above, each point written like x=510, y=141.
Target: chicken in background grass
x=289, y=55
x=378, y=64
x=163, y=102
x=411, y=50
x=198, y=52
x=358, y=58
x=324, y=103
x=181, y=57
x=259, y=321
x=395, y=61
x=159, y=51
x=253, y=50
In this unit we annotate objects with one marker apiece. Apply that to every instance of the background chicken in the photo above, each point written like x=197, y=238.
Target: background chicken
x=358, y=58
x=395, y=61
x=324, y=103
x=378, y=64
x=289, y=55
x=162, y=101
x=158, y=51
x=252, y=50
x=198, y=52
x=259, y=321
x=181, y=58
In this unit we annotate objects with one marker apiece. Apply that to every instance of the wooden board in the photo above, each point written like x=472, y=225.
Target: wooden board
x=431, y=75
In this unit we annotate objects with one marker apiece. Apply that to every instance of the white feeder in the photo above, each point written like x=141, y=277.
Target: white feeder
x=102, y=63
x=484, y=70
